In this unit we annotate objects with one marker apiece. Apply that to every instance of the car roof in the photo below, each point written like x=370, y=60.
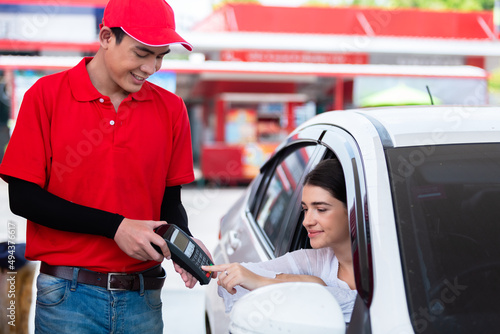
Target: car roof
x=418, y=125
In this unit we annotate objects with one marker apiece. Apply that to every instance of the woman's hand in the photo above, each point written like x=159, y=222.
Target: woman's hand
x=235, y=274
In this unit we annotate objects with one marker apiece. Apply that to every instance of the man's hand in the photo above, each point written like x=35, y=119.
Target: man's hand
x=134, y=237
x=188, y=279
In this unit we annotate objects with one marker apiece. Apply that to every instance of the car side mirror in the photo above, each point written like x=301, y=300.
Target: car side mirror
x=294, y=307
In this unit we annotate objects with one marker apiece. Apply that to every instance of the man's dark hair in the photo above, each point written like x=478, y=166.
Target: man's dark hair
x=328, y=175
x=119, y=33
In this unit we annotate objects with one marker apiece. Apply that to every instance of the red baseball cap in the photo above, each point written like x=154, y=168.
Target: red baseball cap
x=150, y=22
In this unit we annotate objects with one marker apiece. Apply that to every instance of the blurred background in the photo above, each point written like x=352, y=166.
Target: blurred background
x=258, y=70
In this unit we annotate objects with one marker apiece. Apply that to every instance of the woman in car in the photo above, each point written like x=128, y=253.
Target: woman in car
x=329, y=263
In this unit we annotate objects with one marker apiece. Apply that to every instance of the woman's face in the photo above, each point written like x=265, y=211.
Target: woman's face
x=325, y=217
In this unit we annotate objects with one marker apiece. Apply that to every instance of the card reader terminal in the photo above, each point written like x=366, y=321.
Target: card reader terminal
x=185, y=252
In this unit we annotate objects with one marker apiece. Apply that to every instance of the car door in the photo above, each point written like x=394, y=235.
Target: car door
x=335, y=141
x=251, y=231
x=272, y=218
x=276, y=212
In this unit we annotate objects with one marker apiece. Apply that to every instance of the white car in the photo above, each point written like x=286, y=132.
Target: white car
x=423, y=189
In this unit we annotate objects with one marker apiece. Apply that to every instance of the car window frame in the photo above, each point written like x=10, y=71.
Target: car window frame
x=307, y=137
x=294, y=240
x=336, y=141
x=344, y=146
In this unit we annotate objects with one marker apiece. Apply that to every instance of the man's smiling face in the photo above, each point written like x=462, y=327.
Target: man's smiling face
x=130, y=62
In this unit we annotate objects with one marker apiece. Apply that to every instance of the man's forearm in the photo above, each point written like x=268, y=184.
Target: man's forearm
x=172, y=210
x=30, y=201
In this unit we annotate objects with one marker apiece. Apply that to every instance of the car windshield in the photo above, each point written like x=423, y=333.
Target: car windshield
x=447, y=208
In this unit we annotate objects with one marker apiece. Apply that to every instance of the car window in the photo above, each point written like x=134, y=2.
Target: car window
x=295, y=235
x=285, y=179
x=447, y=206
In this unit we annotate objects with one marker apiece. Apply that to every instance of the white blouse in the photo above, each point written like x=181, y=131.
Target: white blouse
x=321, y=263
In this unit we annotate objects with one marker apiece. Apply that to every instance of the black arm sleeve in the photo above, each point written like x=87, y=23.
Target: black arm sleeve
x=172, y=210
x=30, y=201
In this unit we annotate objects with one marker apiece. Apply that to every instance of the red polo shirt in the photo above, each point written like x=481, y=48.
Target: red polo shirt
x=70, y=141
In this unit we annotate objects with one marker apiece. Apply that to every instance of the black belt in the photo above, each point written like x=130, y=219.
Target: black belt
x=153, y=278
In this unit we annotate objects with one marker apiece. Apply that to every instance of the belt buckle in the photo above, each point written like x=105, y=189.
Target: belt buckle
x=108, y=287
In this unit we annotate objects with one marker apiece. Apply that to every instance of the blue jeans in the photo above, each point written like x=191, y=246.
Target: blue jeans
x=64, y=306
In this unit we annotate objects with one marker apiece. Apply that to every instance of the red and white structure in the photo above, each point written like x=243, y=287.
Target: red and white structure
x=256, y=72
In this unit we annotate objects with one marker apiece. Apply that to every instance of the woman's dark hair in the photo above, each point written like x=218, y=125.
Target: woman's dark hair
x=119, y=33
x=328, y=175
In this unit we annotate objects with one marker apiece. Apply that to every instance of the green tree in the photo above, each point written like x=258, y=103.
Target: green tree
x=225, y=2
x=444, y=4
x=317, y=3
x=425, y=4
x=494, y=81
x=367, y=3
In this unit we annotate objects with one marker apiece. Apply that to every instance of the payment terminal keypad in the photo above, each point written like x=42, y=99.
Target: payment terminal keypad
x=185, y=252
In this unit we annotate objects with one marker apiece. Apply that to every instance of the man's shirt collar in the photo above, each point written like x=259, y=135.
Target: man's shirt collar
x=83, y=89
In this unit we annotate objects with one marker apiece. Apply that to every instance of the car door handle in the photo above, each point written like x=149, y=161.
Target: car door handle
x=233, y=242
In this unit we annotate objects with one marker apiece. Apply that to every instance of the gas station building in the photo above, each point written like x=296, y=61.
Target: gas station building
x=256, y=72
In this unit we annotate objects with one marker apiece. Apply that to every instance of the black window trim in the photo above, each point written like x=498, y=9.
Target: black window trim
x=344, y=146
x=267, y=175
x=306, y=137
x=293, y=216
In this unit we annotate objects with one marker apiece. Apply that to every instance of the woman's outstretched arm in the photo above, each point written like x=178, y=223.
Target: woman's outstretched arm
x=233, y=274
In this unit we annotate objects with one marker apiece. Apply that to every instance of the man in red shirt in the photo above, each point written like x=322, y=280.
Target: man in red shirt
x=95, y=164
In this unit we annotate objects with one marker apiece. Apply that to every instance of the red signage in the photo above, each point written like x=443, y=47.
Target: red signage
x=294, y=57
